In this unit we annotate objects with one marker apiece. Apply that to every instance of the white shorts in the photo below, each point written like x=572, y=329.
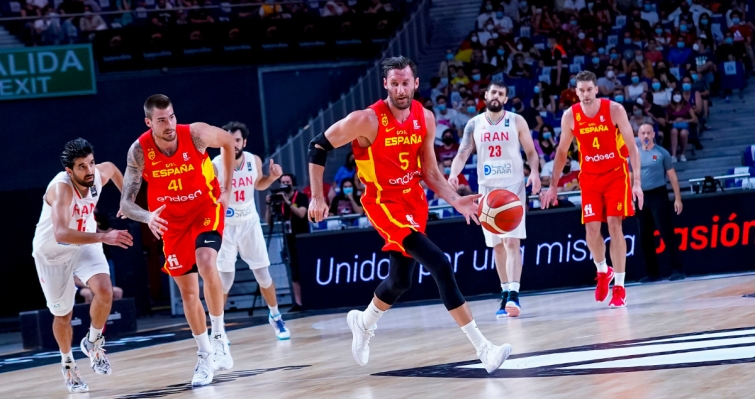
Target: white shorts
x=491, y=239
x=57, y=279
x=244, y=239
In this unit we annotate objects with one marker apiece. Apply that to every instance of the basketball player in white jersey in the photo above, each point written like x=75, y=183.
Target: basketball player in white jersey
x=66, y=243
x=499, y=137
x=243, y=232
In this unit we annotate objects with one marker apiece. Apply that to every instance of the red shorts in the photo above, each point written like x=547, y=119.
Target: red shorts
x=179, y=241
x=396, y=213
x=606, y=194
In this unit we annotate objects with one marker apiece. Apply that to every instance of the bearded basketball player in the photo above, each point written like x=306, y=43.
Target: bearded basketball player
x=186, y=210
x=392, y=142
x=605, y=139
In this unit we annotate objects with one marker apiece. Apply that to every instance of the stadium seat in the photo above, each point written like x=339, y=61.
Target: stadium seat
x=748, y=158
x=741, y=182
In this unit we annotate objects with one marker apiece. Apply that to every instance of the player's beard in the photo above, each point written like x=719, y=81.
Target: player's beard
x=408, y=98
x=166, y=135
x=239, y=153
x=494, y=105
x=86, y=182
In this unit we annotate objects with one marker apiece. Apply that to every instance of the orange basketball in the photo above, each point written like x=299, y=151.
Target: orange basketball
x=500, y=211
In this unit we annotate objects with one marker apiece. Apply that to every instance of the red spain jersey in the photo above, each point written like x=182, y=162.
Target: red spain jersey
x=185, y=181
x=601, y=145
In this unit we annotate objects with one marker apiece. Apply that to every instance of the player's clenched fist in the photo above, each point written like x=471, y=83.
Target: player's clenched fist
x=318, y=209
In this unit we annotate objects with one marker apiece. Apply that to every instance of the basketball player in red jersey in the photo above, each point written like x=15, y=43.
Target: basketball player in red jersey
x=393, y=147
x=187, y=211
x=605, y=140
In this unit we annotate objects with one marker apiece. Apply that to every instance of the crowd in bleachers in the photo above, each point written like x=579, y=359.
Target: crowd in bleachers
x=665, y=61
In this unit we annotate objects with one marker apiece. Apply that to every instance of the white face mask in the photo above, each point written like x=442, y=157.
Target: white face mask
x=519, y=47
x=474, y=39
x=610, y=74
x=581, y=36
x=695, y=47
x=677, y=97
x=490, y=26
x=639, y=58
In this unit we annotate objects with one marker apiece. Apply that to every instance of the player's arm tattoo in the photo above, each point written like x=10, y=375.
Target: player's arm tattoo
x=198, y=143
x=467, y=141
x=132, y=182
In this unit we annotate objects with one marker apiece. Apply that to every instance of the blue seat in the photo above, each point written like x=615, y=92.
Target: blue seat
x=748, y=158
x=732, y=78
x=738, y=182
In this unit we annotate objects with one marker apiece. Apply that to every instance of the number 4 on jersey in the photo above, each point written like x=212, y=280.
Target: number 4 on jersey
x=596, y=143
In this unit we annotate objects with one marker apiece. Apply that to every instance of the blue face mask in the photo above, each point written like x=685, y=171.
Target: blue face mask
x=573, y=82
x=499, y=14
x=601, y=50
x=686, y=86
x=659, y=31
x=704, y=21
x=447, y=170
x=476, y=77
x=735, y=21
x=573, y=22
x=648, y=7
x=695, y=77
x=682, y=28
x=449, y=56
x=635, y=79
x=500, y=51
x=595, y=60
x=348, y=190
x=614, y=56
x=728, y=40
x=680, y=44
x=537, y=89
x=547, y=135
x=441, y=107
x=627, y=40
x=656, y=86
x=619, y=98
x=471, y=109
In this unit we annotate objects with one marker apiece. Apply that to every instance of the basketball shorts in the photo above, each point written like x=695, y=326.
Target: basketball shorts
x=179, y=241
x=247, y=240
x=492, y=239
x=57, y=278
x=606, y=194
x=397, y=214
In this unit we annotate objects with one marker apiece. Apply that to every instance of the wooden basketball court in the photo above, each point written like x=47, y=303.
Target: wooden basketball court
x=694, y=338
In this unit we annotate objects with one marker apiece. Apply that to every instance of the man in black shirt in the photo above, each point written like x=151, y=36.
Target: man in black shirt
x=530, y=115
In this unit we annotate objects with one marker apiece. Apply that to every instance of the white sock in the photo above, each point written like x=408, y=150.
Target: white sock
x=514, y=287
x=203, y=342
x=274, y=311
x=618, y=279
x=504, y=287
x=602, y=266
x=474, y=334
x=67, y=357
x=371, y=315
x=94, y=333
x=218, y=326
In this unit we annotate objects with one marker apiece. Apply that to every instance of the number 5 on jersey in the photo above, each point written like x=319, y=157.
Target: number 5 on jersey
x=404, y=161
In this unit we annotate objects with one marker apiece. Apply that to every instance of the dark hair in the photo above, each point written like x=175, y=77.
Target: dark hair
x=347, y=179
x=549, y=127
x=346, y=162
x=586, y=76
x=499, y=83
x=159, y=101
x=233, y=126
x=441, y=97
x=399, y=63
x=73, y=149
x=292, y=176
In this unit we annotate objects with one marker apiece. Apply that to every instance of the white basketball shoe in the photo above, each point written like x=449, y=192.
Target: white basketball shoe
x=221, y=353
x=360, y=343
x=203, y=372
x=96, y=353
x=492, y=357
x=74, y=382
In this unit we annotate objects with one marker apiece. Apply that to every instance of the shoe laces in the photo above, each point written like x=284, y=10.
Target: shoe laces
x=98, y=350
x=280, y=324
x=202, y=367
x=218, y=347
x=367, y=335
x=485, y=347
x=73, y=377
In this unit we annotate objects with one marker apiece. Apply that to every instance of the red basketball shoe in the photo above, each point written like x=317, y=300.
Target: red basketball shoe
x=603, y=279
x=619, y=298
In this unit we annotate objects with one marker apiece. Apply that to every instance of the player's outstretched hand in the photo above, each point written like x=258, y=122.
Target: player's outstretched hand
x=318, y=209
x=119, y=238
x=454, y=182
x=275, y=170
x=156, y=224
x=466, y=206
x=549, y=197
x=534, y=181
x=637, y=195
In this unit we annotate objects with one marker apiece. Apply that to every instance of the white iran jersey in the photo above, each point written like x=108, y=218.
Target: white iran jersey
x=499, y=160
x=242, y=206
x=45, y=247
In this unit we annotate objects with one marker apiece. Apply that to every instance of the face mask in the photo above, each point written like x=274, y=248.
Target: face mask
x=547, y=135
x=614, y=56
x=573, y=22
x=500, y=51
x=695, y=47
x=522, y=4
x=728, y=40
x=590, y=5
x=573, y=82
x=704, y=21
x=448, y=140
x=635, y=79
x=735, y=21
x=581, y=35
x=595, y=60
x=680, y=44
x=639, y=58
x=471, y=109
x=489, y=7
x=518, y=106
x=551, y=45
x=447, y=170
x=490, y=27
x=494, y=35
x=658, y=31
x=648, y=7
x=656, y=86
x=638, y=112
x=348, y=190
x=601, y=50
x=441, y=107
x=474, y=39
x=519, y=47
x=677, y=97
x=536, y=89
x=567, y=167
x=444, y=81
x=619, y=98
x=610, y=74
x=476, y=77
x=499, y=15
x=449, y=56
x=658, y=48
x=627, y=40
x=686, y=86
x=695, y=77
x=639, y=101
x=682, y=28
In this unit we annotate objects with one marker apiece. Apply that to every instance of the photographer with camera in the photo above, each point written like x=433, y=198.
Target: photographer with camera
x=289, y=206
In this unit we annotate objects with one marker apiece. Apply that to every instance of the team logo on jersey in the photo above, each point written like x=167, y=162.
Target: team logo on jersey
x=655, y=158
x=411, y=221
x=579, y=117
x=416, y=124
x=93, y=190
x=588, y=210
x=602, y=119
x=186, y=156
x=229, y=212
x=701, y=349
x=206, y=221
x=172, y=261
x=506, y=123
x=151, y=154
x=249, y=166
x=618, y=207
x=384, y=119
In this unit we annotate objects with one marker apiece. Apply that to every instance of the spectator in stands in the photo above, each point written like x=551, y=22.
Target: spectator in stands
x=468, y=111
x=585, y=45
x=449, y=148
x=664, y=75
x=546, y=144
x=571, y=166
x=703, y=60
x=269, y=10
x=681, y=115
x=543, y=100
x=518, y=68
x=504, y=25
x=648, y=12
x=635, y=88
x=87, y=294
x=445, y=115
x=653, y=54
x=692, y=97
x=202, y=15
x=347, y=202
x=555, y=57
x=704, y=28
x=609, y=82
x=478, y=79
x=662, y=38
x=346, y=171
x=627, y=48
x=91, y=22
x=701, y=86
x=679, y=54
x=511, y=8
x=602, y=12
x=460, y=77
x=655, y=112
x=599, y=36
x=333, y=9
x=445, y=166
x=686, y=33
x=640, y=65
x=614, y=59
x=618, y=96
x=164, y=14
x=742, y=34
x=638, y=118
x=530, y=115
x=487, y=15
x=569, y=96
x=680, y=14
x=495, y=55
x=661, y=93
x=291, y=205
x=443, y=71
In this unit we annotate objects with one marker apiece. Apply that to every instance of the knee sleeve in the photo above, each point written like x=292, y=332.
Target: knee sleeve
x=227, y=279
x=263, y=277
x=435, y=261
x=399, y=278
